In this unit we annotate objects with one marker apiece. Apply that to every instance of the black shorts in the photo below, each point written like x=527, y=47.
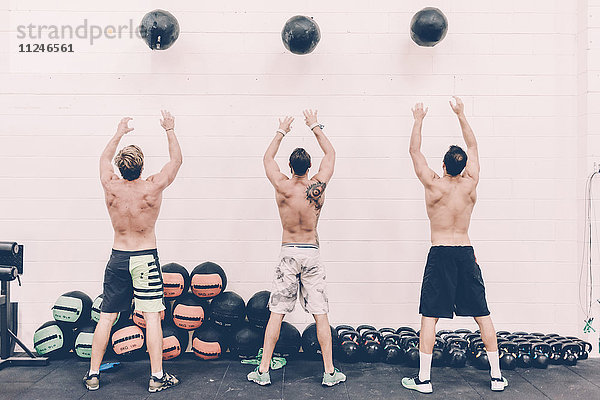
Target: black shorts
x=133, y=275
x=452, y=284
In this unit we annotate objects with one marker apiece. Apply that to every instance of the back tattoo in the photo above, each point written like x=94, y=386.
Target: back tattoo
x=314, y=194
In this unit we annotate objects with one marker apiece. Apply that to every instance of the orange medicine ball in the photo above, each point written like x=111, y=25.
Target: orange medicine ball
x=208, y=342
x=138, y=318
x=175, y=342
x=208, y=280
x=127, y=339
x=189, y=312
x=176, y=280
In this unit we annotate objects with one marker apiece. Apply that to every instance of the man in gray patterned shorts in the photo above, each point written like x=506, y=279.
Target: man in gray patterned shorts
x=299, y=199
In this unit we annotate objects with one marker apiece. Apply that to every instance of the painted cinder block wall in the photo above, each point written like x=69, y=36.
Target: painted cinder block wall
x=228, y=79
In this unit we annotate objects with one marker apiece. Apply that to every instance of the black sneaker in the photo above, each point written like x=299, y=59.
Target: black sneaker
x=167, y=381
x=91, y=382
x=498, y=384
x=415, y=383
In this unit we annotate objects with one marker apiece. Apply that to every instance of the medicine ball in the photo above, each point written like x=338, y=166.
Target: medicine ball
x=138, y=318
x=428, y=27
x=257, y=309
x=73, y=308
x=83, y=341
x=208, y=280
x=189, y=312
x=97, y=309
x=246, y=340
x=209, y=342
x=128, y=340
x=175, y=342
x=53, y=339
x=159, y=29
x=176, y=280
x=300, y=34
x=310, y=342
x=289, y=342
x=227, y=309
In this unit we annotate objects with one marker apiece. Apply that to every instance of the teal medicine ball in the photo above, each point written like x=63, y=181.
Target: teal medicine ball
x=97, y=309
x=53, y=339
x=73, y=308
x=83, y=341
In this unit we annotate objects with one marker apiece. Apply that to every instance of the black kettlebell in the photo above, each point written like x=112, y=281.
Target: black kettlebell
x=437, y=356
x=349, y=348
x=480, y=357
x=556, y=355
x=541, y=355
x=524, y=356
x=392, y=354
x=371, y=344
x=570, y=352
x=456, y=352
x=508, y=355
x=412, y=351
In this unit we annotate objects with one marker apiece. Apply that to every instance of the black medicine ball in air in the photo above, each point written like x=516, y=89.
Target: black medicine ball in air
x=73, y=308
x=227, y=309
x=83, y=341
x=175, y=342
x=53, y=339
x=209, y=342
x=289, y=342
x=428, y=27
x=300, y=34
x=246, y=341
x=208, y=280
x=159, y=29
x=176, y=280
x=257, y=309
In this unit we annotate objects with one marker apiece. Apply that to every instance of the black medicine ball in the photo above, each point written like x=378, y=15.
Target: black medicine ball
x=176, y=280
x=175, y=342
x=209, y=342
x=428, y=27
x=159, y=29
x=300, y=34
x=227, y=309
x=53, y=339
x=257, y=309
x=73, y=308
x=310, y=342
x=289, y=341
x=83, y=341
x=208, y=280
x=246, y=341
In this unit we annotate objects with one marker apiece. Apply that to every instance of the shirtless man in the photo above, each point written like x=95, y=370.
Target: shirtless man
x=452, y=282
x=300, y=200
x=133, y=271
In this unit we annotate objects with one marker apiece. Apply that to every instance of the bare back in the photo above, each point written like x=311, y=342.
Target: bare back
x=300, y=201
x=133, y=207
x=450, y=201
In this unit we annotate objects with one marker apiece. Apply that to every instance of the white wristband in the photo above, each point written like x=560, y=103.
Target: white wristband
x=281, y=131
x=313, y=126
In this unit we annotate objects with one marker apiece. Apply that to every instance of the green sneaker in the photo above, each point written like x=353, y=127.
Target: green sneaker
x=262, y=379
x=415, y=384
x=333, y=379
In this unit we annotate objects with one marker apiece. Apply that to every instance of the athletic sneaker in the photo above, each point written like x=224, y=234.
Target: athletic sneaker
x=91, y=382
x=262, y=379
x=415, y=383
x=498, y=384
x=167, y=381
x=333, y=379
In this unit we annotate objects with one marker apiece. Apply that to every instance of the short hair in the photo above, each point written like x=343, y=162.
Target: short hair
x=300, y=161
x=130, y=161
x=455, y=160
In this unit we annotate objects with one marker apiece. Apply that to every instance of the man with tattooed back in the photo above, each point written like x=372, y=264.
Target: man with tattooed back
x=300, y=200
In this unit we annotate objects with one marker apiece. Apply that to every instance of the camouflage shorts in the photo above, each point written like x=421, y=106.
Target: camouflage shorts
x=299, y=269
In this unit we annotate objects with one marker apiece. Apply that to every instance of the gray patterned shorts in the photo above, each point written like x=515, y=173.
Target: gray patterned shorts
x=299, y=269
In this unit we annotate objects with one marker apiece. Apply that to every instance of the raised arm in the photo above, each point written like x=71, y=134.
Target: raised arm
x=167, y=174
x=425, y=174
x=472, y=168
x=272, y=170
x=107, y=172
x=328, y=162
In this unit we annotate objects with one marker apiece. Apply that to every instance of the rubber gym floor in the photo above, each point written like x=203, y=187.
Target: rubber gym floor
x=300, y=379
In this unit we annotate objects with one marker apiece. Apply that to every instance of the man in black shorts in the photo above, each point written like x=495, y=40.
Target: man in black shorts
x=452, y=282
x=133, y=271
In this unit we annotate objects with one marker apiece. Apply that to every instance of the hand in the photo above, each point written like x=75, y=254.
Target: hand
x=310, y=117
x=123, y=127
x=286, y=124
x=459, y=107
x=168, y=121
x=418, y=112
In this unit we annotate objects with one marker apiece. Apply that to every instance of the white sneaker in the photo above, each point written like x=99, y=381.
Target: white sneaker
x=498, y=384
x=415, y=384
